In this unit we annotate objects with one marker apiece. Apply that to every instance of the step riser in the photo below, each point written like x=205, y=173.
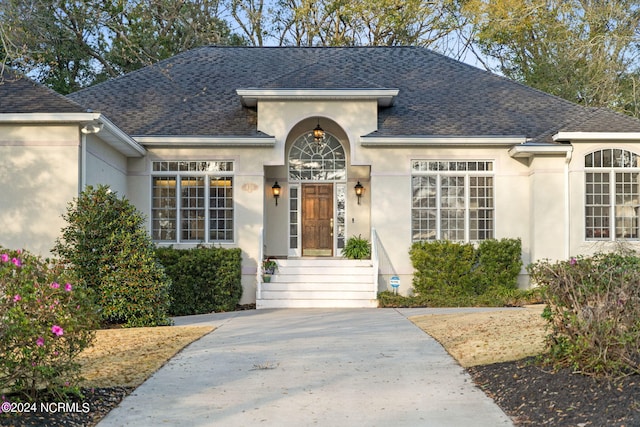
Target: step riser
x=265, y=304
x=323, y=287
x=351, y=271
x=317, y=295
x=319, y=279
x=324, y=262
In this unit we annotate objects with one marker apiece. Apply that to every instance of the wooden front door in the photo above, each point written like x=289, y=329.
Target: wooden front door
x=317, y=219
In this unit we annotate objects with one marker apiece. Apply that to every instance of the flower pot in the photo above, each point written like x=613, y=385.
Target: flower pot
x=266, y=278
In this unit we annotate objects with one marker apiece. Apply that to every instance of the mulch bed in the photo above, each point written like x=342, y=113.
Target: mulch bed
x=534, y=395
x=87, y=411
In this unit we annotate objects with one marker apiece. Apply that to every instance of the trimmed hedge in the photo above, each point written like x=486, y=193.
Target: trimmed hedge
x=458, y=274
x=204, y=279
x=499, y=264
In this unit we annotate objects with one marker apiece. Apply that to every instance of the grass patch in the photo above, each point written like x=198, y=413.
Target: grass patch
x=128, y=356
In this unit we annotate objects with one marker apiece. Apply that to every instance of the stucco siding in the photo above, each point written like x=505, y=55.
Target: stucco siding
x=105, y=166
x=547, y=183
x=39, y=177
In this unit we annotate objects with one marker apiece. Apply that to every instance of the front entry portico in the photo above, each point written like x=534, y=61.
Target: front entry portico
x=317, y=209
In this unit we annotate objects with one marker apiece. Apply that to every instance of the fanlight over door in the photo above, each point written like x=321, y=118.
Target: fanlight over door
x=318, y=172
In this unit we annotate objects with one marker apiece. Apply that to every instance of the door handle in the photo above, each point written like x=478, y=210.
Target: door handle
x=331, y=223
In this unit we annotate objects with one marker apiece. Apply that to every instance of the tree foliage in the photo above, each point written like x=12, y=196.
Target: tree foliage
x=585, y=51
x=370, y=23
x=70, y=44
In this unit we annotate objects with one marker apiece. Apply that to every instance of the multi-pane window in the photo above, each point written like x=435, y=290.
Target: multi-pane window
x=612, y=195
x=452, y=200
x=192, y=201
x=294, y=210
x=313, y=161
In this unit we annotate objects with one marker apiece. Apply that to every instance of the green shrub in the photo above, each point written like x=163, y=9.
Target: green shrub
x=442, y=268
x=593, y=312
x=45, y=322
x=499, y=264
x=457, y=274
x=204, y=279
x=389, y=299
x=357, y=248
x=108, y=249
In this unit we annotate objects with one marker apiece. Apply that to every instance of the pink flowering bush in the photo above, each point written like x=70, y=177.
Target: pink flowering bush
x=45, y=322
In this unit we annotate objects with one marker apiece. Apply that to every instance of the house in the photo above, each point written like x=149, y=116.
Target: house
x=202, y=142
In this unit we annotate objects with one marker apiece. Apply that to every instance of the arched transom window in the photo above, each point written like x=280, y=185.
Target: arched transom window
x=313, y=161
x=612, y=195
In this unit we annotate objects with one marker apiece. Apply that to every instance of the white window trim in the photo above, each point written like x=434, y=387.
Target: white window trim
x=207, y=175
x=611, y=171
x=466, y=174
x=613, y=219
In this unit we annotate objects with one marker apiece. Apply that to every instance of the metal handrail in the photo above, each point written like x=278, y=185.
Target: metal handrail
x=374, y=258
x=383, y=264
x=261, y=251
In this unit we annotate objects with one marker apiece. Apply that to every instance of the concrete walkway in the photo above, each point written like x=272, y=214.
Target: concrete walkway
x=309, y=367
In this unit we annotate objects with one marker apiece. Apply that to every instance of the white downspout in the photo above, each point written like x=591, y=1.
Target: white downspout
x=567, y=205
x=83, y=162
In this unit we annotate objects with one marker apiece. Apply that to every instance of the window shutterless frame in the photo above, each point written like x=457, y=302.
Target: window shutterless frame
x=452, y=200
x=192, y=201
x=612, y=195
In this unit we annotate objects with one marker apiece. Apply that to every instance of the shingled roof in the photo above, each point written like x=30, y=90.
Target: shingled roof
x=18, y=94
x=194, y=93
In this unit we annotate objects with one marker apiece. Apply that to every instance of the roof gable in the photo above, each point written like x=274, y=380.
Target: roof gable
x=194, y=93
x=18, y=94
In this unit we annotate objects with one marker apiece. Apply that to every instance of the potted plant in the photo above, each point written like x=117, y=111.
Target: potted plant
x=269, y=268
x=357, y=248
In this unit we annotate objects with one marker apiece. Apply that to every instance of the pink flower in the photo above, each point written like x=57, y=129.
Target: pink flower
x=4, y=257
x=40, y=342
x=16, y=262
x=68, y=287
x=573, y=261
x=57, y=330
x=17, y=298
x=55, y=285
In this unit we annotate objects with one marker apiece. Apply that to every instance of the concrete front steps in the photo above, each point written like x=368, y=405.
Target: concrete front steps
x=320, y=282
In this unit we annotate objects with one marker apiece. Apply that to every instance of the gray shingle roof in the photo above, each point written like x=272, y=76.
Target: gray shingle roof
x=194, y=93
x=19, y=94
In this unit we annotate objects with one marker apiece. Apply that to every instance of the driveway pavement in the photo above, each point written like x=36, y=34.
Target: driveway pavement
x=309, y=367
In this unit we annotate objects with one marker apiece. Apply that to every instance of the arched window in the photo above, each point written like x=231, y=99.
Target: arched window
x=612, y=194
x=313, y=161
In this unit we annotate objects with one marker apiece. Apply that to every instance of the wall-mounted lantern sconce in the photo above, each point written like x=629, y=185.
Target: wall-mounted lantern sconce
x=318, y=134
x=359, y=190
x=276, y=191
